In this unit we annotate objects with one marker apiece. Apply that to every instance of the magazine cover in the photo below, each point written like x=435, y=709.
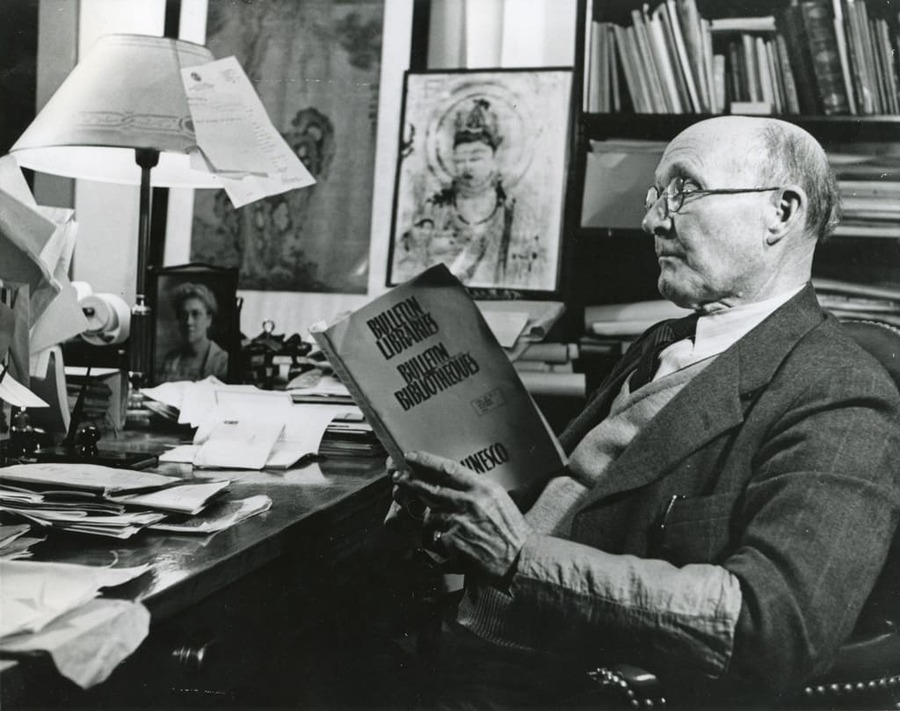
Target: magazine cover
x=425, y=368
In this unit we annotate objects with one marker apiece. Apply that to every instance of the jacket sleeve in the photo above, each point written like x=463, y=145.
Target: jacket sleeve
x=816, y=523
x=819, y=511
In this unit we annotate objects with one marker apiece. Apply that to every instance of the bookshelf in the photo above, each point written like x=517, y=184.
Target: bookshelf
x=864, y=251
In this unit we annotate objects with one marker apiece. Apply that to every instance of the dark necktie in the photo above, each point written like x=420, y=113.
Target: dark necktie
x=665, y=335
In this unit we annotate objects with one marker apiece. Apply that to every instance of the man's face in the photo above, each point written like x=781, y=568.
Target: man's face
x=713, y=249
x=193, y=320
x=475, y=165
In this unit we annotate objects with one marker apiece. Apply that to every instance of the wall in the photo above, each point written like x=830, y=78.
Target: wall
x=464, y=33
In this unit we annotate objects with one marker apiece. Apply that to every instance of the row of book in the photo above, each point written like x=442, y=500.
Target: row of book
x=813, y=57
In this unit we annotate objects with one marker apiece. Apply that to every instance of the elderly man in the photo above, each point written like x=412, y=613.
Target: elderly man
x=732, y=488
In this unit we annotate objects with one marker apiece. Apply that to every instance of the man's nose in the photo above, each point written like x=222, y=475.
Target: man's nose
x=657, y=219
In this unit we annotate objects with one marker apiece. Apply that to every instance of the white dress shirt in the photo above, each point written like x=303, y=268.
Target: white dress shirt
x=718, y=331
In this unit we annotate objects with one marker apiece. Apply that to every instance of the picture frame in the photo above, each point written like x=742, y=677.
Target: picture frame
x=196, y=322
x=481, y=178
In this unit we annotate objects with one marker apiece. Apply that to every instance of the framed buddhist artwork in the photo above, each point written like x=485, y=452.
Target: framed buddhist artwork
x=481, y=176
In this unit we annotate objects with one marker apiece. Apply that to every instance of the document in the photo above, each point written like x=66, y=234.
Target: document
x=218, y=517
x=235, y=135
x=33, y=593
x=184, y=499
x=238, y=444
x=506, y=326
x=88, y=642
x=85, y=477
x=429, y=375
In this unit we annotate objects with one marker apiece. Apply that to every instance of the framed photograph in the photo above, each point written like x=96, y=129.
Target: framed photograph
x=196, y=329
x=481, y=177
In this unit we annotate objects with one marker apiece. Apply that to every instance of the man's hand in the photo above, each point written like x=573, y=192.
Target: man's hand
x=406, y=516
x=469, y=516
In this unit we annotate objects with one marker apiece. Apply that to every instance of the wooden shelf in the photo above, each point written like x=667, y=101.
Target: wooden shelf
x=663, y=127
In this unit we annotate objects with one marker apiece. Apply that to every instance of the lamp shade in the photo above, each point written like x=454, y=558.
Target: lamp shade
x=125, y=94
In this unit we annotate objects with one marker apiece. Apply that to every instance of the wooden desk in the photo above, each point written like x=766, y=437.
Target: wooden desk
x=276, y=584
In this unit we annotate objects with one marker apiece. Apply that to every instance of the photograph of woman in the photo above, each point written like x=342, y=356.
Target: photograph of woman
x=196, y=356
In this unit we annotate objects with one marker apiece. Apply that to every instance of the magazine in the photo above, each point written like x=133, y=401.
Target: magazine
x=427, y=372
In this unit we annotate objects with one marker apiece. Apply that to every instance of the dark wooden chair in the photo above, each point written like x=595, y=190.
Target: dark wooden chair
x=866, y=673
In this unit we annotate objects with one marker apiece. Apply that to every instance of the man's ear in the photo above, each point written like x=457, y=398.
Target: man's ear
x=786, y=213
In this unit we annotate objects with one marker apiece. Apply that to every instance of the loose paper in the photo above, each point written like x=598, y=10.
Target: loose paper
x=33, y=594
x=88, y=642
x=235, y=135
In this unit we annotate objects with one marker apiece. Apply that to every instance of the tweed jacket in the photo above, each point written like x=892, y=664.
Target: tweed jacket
x=777, y=466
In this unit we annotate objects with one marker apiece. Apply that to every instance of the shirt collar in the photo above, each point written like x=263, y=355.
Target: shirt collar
x=718, y=331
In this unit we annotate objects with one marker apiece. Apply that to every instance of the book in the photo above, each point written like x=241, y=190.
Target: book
x=429, y=375
x=858, y=40
x=790, y=21
x=659, y=98
x=826, y=60
x=765, y=23
x=684, y=60
x=664, y=61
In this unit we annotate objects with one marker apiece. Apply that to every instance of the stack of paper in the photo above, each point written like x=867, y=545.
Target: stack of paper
x=86, y=498
x=244, y=427
x=351, y=436
x=16, y=541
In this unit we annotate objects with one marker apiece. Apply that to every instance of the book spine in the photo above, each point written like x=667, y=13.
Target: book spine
x=841, y=36
x=787, y=74
x=708, y=67
x=751, y=68
x=658, y=96
x=766, y=87
x=869, y=57
x=644, y=87
x=737, y=74
x=631, y=81
x=684, y=61
x=858, y=62
x=826, y=61
x=661, y=14
x=693, y=42
x=791, y=21
x=359, y=397
x=719, y=81
x=775, y=76
x=594, y=80
x=887, y=63
x=614, y=75
x=663, y=62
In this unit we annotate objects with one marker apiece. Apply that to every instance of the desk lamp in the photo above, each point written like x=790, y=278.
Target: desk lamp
x=122, y=116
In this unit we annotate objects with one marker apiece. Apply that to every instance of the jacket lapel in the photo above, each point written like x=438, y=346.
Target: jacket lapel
x=713, y=402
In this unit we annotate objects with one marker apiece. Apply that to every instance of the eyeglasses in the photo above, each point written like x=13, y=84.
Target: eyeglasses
x=675, y=194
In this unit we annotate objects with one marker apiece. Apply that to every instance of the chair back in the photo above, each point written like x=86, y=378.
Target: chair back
x=881, y=340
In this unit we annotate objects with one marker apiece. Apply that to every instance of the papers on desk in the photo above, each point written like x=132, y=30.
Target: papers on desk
x=217, y=517
x=243, y=427
x=85, y=477
x=34, y=594
x=15, y=541
x=183, y=499
x=80, y=498
x=53, y=606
